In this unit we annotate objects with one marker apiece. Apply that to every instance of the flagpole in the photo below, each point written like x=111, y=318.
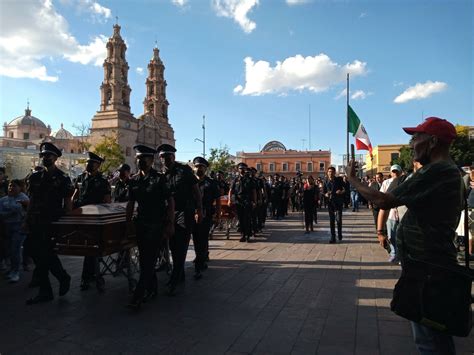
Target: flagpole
x=347, y=117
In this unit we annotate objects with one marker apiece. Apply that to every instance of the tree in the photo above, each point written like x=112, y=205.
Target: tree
x=109, y=149
x=405, y=159
x=220, y=159
x=462, y=149
x=82, y=131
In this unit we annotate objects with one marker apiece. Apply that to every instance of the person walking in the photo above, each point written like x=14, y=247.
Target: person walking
x=309, y=203
x=334, y=192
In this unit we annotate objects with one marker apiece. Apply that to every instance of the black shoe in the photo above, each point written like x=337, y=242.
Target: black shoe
x=150, y=295
x=135, y=303
x=84, y=285
x=332, y=241
x=197, y=275
x=34, y=283
x=248, y=239
x=64, y=285
x=243, y=239
x=171, y=290
x=39, y=299
x=339, y=237
x=353, y=210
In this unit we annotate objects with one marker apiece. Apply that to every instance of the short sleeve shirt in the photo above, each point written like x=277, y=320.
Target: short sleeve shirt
x=209, y=192
x=47, y=192
x=434, y=198
x=92, y=189
x=181, y=180
x=242, y=188
x=150, y=192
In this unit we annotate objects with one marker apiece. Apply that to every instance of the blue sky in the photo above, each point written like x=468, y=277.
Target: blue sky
x=406, y=58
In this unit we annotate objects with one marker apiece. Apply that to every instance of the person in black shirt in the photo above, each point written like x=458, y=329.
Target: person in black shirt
x=223, y=185
x=50, y=193
x=243, y=188
x=91, y=188
x=333, y=189
x=210, y=195
x=188, y=210
x=309, y=203
x=154, y=220
x=122, y=188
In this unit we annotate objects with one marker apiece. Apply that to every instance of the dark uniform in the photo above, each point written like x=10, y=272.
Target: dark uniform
x=243, y=188
x=122, y=186
x=92, y=190
x=209, y=193
x=335, y=205
x=181, y=179
x=48, y=192
x=151, y=193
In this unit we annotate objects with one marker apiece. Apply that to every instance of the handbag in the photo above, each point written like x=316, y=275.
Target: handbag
x=436, y=296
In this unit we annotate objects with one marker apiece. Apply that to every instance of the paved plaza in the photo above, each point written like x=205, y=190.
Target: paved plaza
x=285, y=293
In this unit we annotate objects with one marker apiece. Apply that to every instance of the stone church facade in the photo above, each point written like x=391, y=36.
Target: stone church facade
x=114, y=116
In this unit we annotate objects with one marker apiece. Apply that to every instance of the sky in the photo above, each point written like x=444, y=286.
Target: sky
x=259, y=70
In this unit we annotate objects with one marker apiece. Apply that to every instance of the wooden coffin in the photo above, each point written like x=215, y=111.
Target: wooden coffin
x=94, y=230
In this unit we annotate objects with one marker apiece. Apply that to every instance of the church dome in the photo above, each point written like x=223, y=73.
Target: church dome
x=27, y=120
x=273, y=146
x=62, y=133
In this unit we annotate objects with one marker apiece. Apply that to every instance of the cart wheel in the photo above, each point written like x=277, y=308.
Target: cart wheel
x=100, y=284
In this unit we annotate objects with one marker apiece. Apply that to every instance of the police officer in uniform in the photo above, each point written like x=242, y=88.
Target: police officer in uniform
x=244, y=190
x=122, y=191
x=223, y=185
x=50, y=193
x=154, y=220
x=188, y=209
x=210, y=194
x=91, y=188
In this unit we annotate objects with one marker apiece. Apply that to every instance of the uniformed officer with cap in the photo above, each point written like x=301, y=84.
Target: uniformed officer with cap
x=188, y=209
x=91, y=188
x=210, y=195
x=50, y=193
x=154, y=220
x=243, y=188
x=121, y=190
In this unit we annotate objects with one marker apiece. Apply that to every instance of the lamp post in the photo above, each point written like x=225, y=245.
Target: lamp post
x=203, y=140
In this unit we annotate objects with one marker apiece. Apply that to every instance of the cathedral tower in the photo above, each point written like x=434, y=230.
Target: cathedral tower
x=154, y=127
x=114, y=116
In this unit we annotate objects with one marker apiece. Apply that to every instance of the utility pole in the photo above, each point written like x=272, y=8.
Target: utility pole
x=203, y=140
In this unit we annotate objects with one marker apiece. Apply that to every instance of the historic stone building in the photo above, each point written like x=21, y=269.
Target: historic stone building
x=115, y=118
x=274, y=158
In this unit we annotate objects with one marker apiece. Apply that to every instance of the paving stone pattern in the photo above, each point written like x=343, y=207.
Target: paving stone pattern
x=285, y=293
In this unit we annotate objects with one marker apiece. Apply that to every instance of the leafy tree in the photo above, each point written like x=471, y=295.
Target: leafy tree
x=405, y=159
x=219, y=159
x=109, y=149
x=462, y=149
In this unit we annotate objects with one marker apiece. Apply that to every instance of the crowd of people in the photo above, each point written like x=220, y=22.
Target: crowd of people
x=166, y=208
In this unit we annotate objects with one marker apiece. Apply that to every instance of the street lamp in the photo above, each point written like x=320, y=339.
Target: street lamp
x=203, y=140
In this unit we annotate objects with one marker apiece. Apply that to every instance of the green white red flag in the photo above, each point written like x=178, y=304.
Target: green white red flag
x=358, y=131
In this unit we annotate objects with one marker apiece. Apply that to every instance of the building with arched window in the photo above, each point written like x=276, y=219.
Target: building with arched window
x=275, y=158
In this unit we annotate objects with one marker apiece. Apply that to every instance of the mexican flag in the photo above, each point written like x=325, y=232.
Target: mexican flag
x=359, y=132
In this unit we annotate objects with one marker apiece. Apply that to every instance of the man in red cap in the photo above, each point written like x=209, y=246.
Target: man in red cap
x=434, y=197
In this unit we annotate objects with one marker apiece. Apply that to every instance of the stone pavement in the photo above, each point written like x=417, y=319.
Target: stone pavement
x=284, y=293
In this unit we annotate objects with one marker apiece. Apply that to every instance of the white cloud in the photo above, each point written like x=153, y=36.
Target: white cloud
x=356, y=95
x=99, y=13
x=238, y=11
x=33, y=33
x=180, y=3
x=420, y=91
x=398, y=83
x=139, y=70
x=363, y=14
x=315, y=74
x=296, y=2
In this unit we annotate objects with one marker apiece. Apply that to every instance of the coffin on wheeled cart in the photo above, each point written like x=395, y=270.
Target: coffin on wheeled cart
x=100, y=231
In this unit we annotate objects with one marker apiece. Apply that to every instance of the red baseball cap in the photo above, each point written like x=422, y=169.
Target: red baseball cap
x=435, y=126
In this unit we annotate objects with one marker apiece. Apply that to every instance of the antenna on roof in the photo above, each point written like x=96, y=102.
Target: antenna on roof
x=116, y=20
x=27, y=103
